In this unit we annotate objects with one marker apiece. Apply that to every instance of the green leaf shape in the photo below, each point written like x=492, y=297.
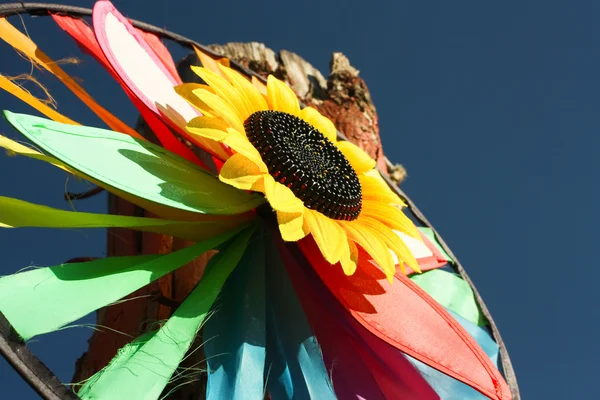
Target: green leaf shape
x=452, y=292
x=135, y=166
x=43, y=300
x=142, y=372
x=16, y=213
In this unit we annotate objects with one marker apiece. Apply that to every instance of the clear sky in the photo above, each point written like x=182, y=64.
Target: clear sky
x=492, y=107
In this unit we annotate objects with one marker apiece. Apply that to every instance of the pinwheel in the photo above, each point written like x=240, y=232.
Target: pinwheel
x=320, y=286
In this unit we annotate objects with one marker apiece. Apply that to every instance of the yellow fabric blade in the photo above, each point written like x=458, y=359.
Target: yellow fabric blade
x=34, y=102
x=25, y=45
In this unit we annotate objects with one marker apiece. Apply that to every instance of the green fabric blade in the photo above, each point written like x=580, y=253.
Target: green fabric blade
x=428, y=232
x=16, y=213
x=45, y=299
x=135, y=166
x=452, y=292
x=142, y=372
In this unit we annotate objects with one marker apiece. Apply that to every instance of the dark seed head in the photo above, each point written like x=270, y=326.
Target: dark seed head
x=303, y=159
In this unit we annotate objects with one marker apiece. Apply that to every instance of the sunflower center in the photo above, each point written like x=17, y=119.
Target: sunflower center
x=303, y=159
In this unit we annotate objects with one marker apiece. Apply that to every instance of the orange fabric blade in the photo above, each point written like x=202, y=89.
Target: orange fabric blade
x=25, y=45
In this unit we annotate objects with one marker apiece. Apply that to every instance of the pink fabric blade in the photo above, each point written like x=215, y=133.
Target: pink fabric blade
x=86, y=40
x=141, y=70
x=359, y=368
x=407, y=318
x=161, y=52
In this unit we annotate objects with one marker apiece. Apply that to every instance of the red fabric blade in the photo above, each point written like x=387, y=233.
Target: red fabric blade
x=407, y=318
x=360, y=364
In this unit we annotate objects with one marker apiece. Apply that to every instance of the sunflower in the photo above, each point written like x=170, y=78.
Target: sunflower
x=316, y=184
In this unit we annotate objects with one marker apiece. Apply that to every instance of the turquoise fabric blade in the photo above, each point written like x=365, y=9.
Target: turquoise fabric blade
x=235, y=334
x=146, y=370
x=447, y=387
x=295, y=366
x=45, y=299
x=135, y=166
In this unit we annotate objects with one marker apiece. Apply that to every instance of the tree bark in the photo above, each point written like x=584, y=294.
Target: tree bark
x=343, y=97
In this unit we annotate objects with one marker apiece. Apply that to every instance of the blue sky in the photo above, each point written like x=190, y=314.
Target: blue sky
x=492, y=107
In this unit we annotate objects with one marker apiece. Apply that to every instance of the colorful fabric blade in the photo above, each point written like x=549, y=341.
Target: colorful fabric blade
x=19, y=214
x=376, y=305
x=358, y=369
x=157, y=208
x=452, y=292
x=296, y=369
x=34, y=102
x=153, y=173
x=25, y=45
x=144, y=374
x=45, y=299
x=161, y=52
x=84, y=36
x=125, y=50
x=429, y=234
x=13, y=148
x=235, y=334
x=449, y=388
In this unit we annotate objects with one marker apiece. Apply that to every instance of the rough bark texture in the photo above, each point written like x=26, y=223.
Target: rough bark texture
x=343, y=97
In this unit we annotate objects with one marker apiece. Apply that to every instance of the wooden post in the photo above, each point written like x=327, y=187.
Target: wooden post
x=343, y=97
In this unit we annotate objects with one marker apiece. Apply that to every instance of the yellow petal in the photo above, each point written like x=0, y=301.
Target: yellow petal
x=242, y=173
x=281, y=97
x=240, y=144
x=256, y=101
x=349, y=259
x=186, y=91
x=360, y=161
x=221, y=108
x=390, y=216
x=394, y=243
x=328, y=235
x=373, y=244
x=290, y=226
x=225, y=91
x=208, y=127
x=323, y=124
x=281, y=198
x=373, y=189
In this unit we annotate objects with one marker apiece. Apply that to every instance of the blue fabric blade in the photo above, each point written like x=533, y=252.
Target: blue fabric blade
x=235, y=334
x=447, y=387
x=295, y=366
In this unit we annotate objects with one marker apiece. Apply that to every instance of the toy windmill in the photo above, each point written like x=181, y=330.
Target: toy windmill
x=274, y=244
